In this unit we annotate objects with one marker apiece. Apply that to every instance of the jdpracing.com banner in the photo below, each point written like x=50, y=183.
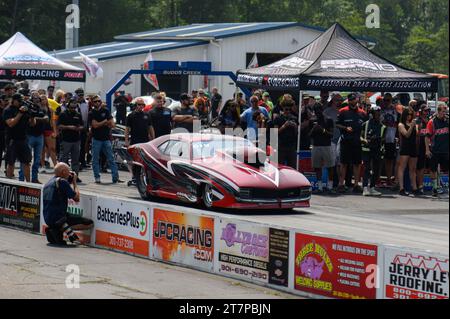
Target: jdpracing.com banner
x=412, y=275
x=335, y=268
x=20, y=206
x=183, y=238
x=253, y=252
x=122, y=225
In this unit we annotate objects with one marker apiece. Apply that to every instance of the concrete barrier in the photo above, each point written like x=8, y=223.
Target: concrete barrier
x=291, y=260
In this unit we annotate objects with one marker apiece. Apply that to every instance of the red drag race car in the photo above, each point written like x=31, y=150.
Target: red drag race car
x=216, y=170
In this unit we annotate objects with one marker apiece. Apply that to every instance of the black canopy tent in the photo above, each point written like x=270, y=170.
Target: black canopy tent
x=336, y=61
x=21, y=59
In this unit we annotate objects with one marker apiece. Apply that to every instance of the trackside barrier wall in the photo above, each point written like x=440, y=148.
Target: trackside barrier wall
x=309, y=264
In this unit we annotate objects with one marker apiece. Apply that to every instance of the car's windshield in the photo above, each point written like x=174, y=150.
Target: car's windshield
x=207, y=149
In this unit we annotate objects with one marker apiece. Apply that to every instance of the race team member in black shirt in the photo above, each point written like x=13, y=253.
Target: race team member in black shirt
x=139, y=126
x=373, y=136
x=350, y=120
x=35, y=137
x=287, y=125
x=216, y=101
x=70, y=125
x=322, y=152
x=101, y=123
x=17, y=121
x=3, y=104
x=185, y=115
x=161, y=117
x=121, y=103
x=437, y=144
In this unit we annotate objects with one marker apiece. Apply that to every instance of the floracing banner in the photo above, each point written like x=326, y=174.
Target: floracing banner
x=335, y=268
x=122, y=225
x=410, y=275
x=182, y=238
x=20, y=206
x=253, y=252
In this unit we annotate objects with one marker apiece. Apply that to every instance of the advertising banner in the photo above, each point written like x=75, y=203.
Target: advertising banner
x=122, y=225
x=20, y=206
x=335, y=268
x=412, y=275
x=253, y=252
x=183, y=238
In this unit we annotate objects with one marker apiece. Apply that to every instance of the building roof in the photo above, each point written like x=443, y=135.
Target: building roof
x=113, y=50
x=209, y=31
x=175, y=38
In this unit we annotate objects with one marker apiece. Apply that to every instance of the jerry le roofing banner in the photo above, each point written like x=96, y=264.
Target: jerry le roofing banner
x=183, y=238
x=412, y=275
x=122, y=225
x=336, y=61
x=20, y=206
x=335, y=268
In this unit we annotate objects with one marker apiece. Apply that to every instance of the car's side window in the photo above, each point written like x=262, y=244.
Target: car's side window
x=162, y=148
x=178, y=149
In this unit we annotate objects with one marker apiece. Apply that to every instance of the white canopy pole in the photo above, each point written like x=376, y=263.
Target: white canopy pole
x=300, y=101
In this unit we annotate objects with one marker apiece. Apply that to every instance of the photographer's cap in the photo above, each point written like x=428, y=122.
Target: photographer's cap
x=25, y=92
x=375, y=108
x=351, y=97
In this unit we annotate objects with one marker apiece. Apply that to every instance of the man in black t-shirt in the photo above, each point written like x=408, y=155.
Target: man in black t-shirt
x=139, y=126
x=185, y=115
x=3, y=104
x=101, y=123
x=216, y=101
x=161, y=117
x=35, y=138
x=121, y=103
x=17, y=121
x=70, y=125
x=287, y=125
x=350, y=121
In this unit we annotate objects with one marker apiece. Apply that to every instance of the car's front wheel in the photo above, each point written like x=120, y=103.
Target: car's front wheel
x=141, y=179
x=208, y=196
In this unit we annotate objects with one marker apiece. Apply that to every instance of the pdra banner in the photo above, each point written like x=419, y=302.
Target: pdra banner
x=20, y=206
x=253, y=252
x=122, y=225
x=335, y=268
x=412, y=275
x=183, y=238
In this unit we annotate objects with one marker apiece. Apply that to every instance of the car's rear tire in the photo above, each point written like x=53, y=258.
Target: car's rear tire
x=207, y=196
x=141, y=179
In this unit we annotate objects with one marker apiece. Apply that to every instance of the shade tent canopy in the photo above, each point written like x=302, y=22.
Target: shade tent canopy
x=21, y=59
x=337, y=61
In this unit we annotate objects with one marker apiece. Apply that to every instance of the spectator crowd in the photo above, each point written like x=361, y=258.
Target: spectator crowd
x=352, y=140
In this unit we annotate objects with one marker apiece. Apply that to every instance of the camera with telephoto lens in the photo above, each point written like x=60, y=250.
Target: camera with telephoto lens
x=71, y=177
x=32, y=109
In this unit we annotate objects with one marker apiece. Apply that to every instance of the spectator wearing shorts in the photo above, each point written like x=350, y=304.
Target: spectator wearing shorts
x=408, y=132
x=350, y=122
x=437, y=144
x=423, y=163
x=17, y=121
x=322, y=152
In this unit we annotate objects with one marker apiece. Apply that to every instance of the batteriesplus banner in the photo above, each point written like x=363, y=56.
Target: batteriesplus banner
x=253, y=252
x=335, y=268
x=412, y=275
x=122, y=225
x=20, y=206
x=183, y=238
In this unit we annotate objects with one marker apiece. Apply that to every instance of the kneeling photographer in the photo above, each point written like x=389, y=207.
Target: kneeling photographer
x=57, y=192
